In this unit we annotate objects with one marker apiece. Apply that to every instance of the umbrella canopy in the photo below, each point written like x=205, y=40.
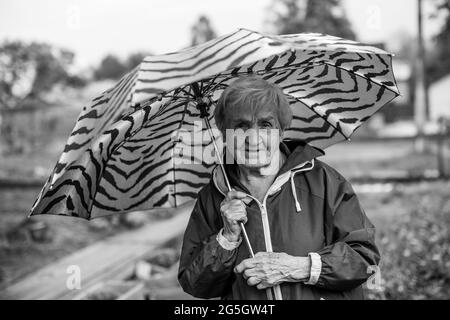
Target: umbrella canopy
x=120, y=155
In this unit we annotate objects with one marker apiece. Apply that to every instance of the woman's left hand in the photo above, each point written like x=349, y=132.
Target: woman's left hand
x=268, y=269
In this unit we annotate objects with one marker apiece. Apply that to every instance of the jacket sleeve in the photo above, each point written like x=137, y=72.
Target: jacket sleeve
x=206, y=269
x=351, y=245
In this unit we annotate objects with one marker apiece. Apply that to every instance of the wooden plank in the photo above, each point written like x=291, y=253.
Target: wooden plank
x=108, y=259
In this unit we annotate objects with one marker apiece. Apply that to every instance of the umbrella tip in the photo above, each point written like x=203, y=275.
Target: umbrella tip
x=246, y=29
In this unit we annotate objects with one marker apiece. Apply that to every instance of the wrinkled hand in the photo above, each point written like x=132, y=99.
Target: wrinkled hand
x=268, y=269
x=233, y=212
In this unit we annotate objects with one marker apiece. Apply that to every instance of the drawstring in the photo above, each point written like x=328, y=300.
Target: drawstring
x=294, y=193
x=297, y=204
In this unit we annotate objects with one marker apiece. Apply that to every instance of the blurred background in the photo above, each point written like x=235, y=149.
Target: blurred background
x=56, y=55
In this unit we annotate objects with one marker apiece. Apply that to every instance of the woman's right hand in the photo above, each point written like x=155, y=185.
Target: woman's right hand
x=233, y=212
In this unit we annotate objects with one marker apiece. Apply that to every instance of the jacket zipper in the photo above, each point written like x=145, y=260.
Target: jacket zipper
x=267, y=237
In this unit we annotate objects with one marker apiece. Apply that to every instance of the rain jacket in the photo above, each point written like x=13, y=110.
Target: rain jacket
x=309, y=209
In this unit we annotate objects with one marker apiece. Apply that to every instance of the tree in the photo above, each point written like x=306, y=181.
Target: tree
x=202, y=31
x=110, y=68
x=29, y=70
x=135, y=58
x=438, y=64
x=321, y=16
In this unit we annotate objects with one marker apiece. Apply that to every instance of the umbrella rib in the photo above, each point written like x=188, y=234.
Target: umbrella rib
x=187, y=93
x=166, y=105
x=216, y=85
x=210, y=82
x=153, y=99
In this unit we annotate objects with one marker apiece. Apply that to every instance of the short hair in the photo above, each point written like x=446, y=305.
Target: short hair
x=255, y=93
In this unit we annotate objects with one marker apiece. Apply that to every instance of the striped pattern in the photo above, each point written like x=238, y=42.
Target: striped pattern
x=120, y=156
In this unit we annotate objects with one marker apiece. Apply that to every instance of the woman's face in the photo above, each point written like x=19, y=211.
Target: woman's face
x=253, y=138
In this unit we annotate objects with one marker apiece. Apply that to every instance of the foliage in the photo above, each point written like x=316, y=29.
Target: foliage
x=202, y=31
x=111, y=67
x=415, y=252
x=322, y=16
x=134, y=59
x=29, y=70
x=439, y=61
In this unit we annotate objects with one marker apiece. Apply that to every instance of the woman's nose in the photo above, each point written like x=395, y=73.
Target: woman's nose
x=253, y=137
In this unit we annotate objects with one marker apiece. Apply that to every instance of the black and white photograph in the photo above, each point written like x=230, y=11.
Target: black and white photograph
x=197, y=150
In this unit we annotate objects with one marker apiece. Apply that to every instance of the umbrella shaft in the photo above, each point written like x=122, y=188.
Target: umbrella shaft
x=208, y=125
x=247, y=241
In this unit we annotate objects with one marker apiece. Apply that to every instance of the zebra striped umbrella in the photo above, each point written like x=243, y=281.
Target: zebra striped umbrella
x=120, y=155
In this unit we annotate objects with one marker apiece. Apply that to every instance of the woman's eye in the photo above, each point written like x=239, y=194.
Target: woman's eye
x=266, y=124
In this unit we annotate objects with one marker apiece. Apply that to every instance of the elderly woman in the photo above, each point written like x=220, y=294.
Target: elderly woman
x=308, y=230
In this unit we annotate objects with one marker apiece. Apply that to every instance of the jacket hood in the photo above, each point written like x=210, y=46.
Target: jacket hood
x=299, y=157
x=297, y=153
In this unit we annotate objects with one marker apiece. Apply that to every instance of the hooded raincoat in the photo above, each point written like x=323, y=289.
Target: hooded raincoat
x=310, y=209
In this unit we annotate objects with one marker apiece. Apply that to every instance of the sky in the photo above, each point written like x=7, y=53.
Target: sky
x=94, y=28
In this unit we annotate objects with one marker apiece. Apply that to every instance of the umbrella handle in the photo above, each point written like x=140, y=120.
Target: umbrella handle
x=270, y=294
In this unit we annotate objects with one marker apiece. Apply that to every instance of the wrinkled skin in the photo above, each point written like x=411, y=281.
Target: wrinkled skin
x=253, y=139
x=268, y=269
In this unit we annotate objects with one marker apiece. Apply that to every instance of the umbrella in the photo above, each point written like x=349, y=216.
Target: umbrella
x=120, y=156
